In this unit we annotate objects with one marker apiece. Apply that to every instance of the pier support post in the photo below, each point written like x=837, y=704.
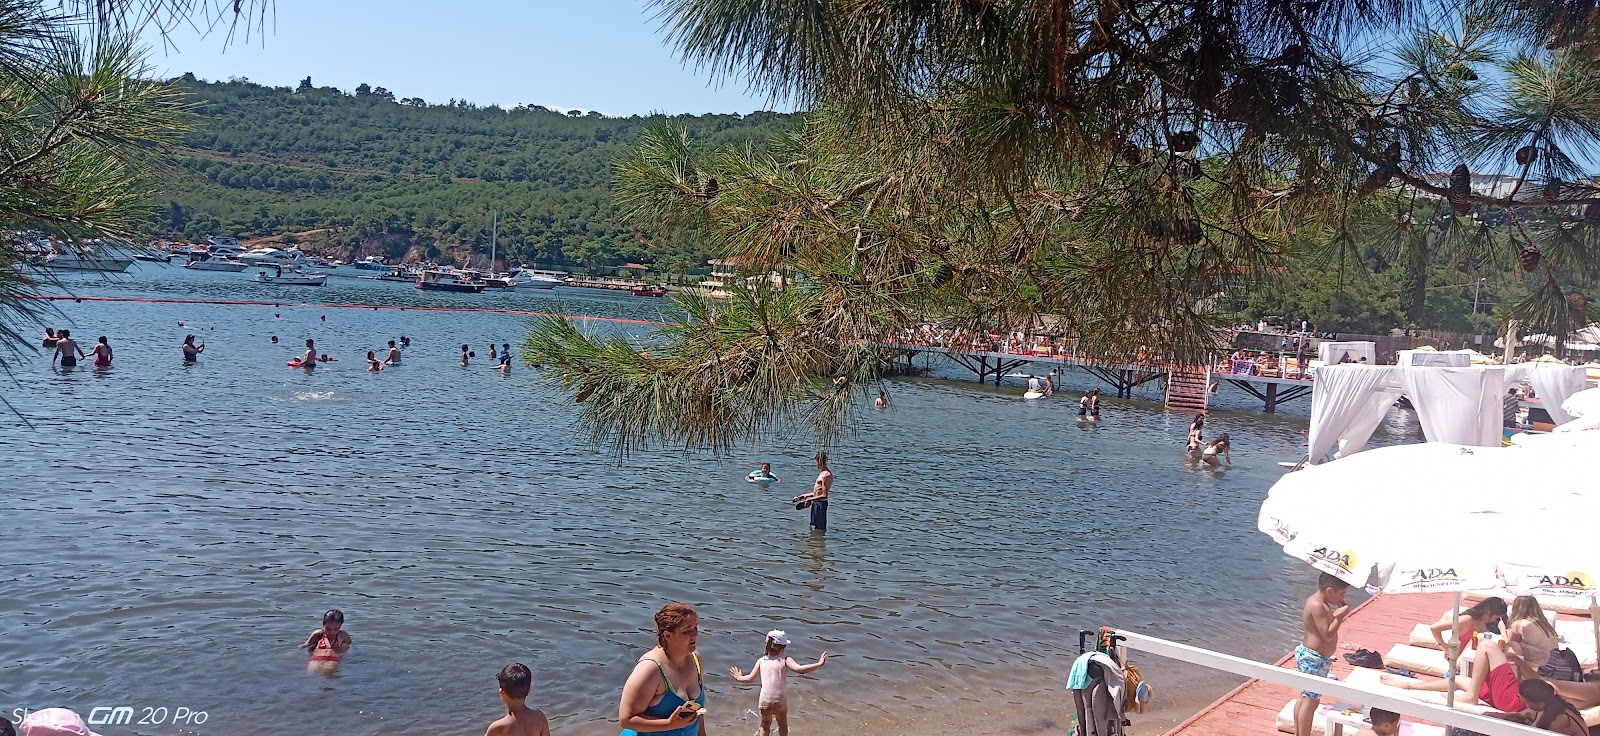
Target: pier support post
x=1272, y=398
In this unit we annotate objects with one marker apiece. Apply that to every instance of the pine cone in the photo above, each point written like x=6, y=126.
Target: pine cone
x=1131, y=155
x=1529, y=257
x=1293, y=55
x=1184, y=142
x=1552, y=189
x=1378, y=179
x=1461, y=191
x=1578, y=308
x=1391, y=154
x=711, y=187
x=1591, y=215
x=1527, y=155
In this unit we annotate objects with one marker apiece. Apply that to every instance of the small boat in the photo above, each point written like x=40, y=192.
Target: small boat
x=491, y=280
x=438, y=280
x=269, y=257
x=649, y=291
x=150, y=254
x=216, y=263
x=93, y=260
x=291, y=278
x=396, y=273
x=372, y=263
x=316, y=263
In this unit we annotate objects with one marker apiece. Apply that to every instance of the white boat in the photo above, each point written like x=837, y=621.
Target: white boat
x=224, y=247
x=317, y=263
x=372, y=263
x=440, y=280
x=396, y=273
x=294, y=278
x=538, y=281
x=93, y=260
x=268, y=257
x=216, y=263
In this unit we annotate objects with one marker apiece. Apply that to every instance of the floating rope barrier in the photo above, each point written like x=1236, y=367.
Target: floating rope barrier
x=280, y=305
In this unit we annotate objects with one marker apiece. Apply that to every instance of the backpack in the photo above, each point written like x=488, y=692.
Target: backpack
x=1562, y=665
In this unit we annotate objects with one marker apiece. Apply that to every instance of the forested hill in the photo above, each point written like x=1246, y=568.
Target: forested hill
x=362, y=173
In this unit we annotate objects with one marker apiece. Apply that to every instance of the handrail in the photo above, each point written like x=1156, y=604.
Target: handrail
x=1301, y=681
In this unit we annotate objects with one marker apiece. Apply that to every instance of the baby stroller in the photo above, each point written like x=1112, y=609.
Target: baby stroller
x=1099, y=689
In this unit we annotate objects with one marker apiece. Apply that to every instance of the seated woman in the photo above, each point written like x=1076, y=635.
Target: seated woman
x=1494, y=680
x=1549, y=711
x=1473, y=620
x=1529, y=635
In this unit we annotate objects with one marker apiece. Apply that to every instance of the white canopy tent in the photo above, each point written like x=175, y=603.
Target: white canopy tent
x=1457, y=405
x=1436, y=358
x=1334, y=353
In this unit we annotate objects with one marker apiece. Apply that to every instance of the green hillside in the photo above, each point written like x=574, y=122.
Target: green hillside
x=361, y=173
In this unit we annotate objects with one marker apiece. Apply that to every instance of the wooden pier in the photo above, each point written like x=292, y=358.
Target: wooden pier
x=992, y=365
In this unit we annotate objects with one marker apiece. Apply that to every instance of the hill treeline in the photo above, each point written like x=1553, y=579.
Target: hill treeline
x=363, y=173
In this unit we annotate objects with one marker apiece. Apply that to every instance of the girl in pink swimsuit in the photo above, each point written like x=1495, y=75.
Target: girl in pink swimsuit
x=773, y=669
x=328, y=643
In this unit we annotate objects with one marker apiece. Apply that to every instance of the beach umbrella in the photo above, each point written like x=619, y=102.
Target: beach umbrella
x=1585, y=403
x=1414, y=518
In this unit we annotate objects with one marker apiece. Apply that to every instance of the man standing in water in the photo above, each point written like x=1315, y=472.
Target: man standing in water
x=818, y=497
x=1324, y=613
x=309, y=360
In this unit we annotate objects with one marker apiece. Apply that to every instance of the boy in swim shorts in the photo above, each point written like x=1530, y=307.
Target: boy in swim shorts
x=519, y=720
x=1324, y=612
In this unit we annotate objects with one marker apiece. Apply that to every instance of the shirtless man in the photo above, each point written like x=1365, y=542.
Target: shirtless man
x=519, y=720
x=394, y=355
x=1324, y=613
x=67, y=350
x=309, y=360
x=818, y=497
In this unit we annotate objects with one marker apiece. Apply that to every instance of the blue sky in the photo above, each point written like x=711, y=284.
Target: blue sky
x=605, y=55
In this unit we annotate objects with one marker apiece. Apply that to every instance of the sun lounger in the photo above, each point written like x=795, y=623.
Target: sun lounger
x=1549, y=604
x=1319, y=724
x=1419, y=659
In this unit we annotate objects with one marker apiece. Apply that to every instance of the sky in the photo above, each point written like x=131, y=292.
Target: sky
x=605, y=55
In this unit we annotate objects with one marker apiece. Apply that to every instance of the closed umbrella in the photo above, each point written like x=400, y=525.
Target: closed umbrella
x=1415, y=518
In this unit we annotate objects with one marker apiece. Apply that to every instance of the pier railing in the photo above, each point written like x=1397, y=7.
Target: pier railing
x=1328, y=688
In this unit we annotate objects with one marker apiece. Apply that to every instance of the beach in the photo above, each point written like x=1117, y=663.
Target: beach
x=178, y=529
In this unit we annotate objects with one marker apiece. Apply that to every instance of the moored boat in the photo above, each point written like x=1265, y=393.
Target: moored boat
x=216, y=263
x=649, y=291
x=396, y=273
x=372, y=263
x=438, y=280
x=295, y=278
x=91, y=260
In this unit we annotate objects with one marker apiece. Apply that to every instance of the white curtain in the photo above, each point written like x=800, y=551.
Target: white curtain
x=1551, y=383
x=1347, y=405
x=1457, y=405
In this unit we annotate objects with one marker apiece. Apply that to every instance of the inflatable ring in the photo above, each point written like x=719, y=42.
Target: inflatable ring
x=298, y=363
x=755, y=477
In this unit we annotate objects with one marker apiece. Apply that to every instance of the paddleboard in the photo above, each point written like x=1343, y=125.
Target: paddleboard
x=1033, y=395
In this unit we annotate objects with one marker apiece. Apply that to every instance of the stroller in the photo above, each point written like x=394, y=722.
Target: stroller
x=1099, y=688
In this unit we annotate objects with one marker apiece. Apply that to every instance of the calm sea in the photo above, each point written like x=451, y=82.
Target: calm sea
x=173, y=532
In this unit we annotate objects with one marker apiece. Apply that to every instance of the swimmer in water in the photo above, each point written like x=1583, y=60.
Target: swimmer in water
x=405, y=342
x=1217, y=448
x=1196, y=431
x=327, y=644
x=505, y=355
x=325, y=358
x=493, y=356
x=394, y=355
x=67, y=350
x=310, y=358
x=764, y=475
x=1094, y=405
x=882, y=402
x=191, y=352
x=465, y=354
x=50, y=337
x=373, y=364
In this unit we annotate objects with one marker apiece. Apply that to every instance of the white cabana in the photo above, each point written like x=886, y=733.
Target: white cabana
x=1553, y=383
x=1458, y=405
x=1436, y=358
x=1334, y=353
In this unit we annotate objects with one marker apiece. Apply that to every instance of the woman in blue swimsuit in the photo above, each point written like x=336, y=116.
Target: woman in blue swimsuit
x=665, y=694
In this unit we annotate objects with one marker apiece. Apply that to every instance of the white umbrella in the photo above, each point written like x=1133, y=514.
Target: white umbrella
x=1585, y=403
x=1414, y=518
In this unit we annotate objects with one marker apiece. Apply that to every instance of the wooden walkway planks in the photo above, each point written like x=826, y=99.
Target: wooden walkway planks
x=1378, y=624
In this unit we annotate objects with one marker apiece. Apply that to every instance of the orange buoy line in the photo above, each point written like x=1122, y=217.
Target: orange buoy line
x=221, y=302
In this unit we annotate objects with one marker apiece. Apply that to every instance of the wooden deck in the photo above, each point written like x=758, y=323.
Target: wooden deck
x=1378, y=624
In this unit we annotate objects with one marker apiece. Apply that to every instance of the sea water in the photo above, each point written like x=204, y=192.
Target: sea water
x=174, y=531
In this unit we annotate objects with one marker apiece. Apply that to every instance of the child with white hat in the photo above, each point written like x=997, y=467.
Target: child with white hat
x=773, y=669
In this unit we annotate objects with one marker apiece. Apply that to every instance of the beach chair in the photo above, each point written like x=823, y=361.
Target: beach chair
x=1099, y=689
